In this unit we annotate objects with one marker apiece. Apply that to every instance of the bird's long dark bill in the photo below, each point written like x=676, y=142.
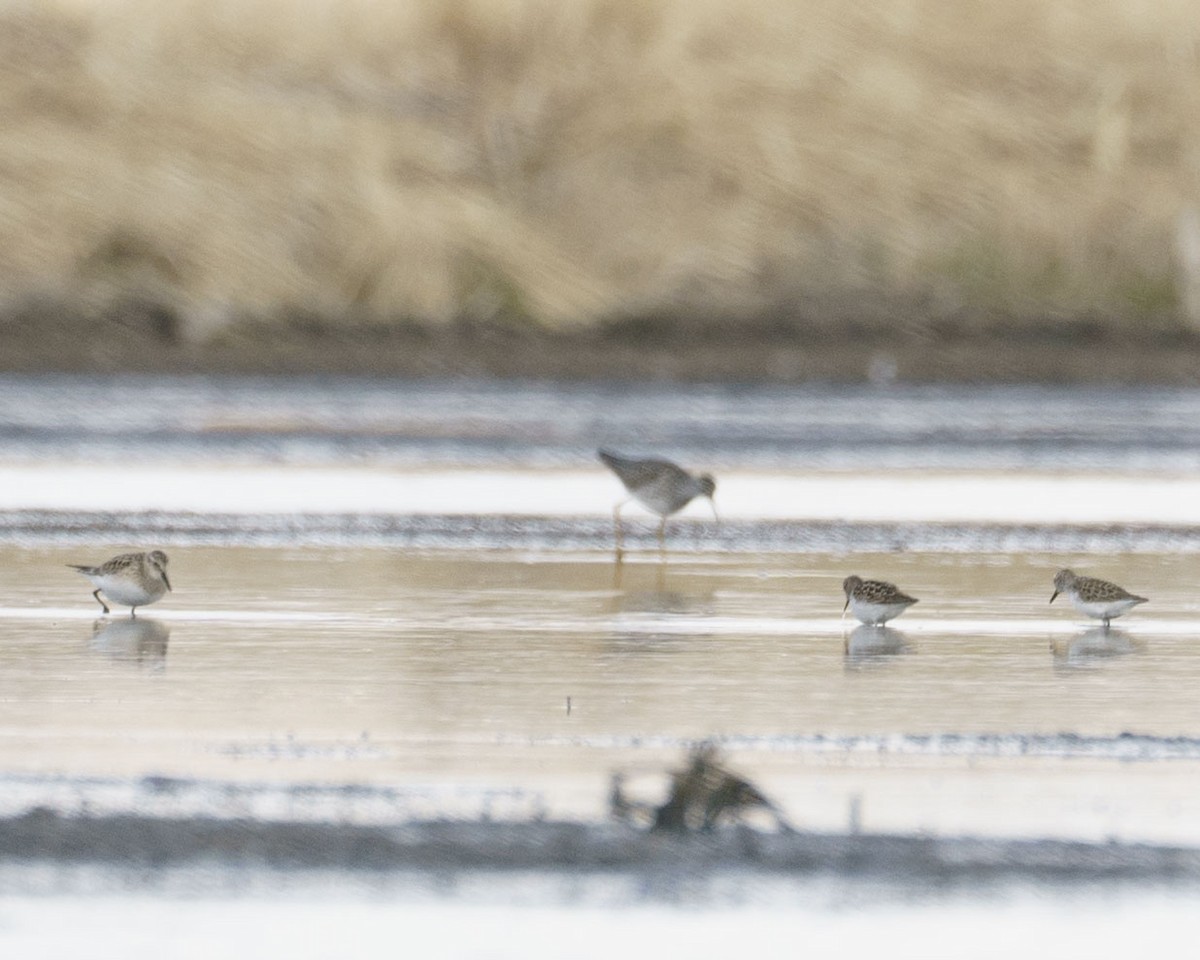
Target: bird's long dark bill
x=846, y=607
x=166, y=581
x=1055, y=594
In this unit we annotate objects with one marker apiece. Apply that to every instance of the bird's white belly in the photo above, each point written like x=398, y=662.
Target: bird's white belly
x=1103, y=609
x=127, y=592
x=659, y=497
x=869, y=612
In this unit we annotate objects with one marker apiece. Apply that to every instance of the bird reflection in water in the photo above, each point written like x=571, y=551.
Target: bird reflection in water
x=645, y=593
x=661, y=615
x=660, y=573
x=874, y=643
x=668, y=602
x=141, y=641
x=1092, y=647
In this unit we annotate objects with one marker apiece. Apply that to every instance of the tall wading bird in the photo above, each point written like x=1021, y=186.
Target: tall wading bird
x=132, y=579
x=874, y=601
x=660, y=486
x=1095, y=597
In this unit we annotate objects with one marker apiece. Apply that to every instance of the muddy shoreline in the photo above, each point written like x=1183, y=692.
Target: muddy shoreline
x=150, y=842
x=149, y=341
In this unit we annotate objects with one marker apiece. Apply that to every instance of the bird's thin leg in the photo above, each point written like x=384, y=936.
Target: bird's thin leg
x=133, y=613
x=617, y=528
x=103, y=605
x=662, y=537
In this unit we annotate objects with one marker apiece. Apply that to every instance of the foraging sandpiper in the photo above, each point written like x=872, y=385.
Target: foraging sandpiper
x=132, y=579
x=658, y=485
x=874, y=601
x=1095, y=597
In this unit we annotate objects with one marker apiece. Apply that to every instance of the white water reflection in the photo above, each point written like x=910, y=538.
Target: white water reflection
x=912, y=497
x=529, y=917
x=1094, y=647
x=870, y=644
x=142, y=641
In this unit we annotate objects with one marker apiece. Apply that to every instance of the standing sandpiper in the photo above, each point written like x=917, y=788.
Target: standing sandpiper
x=132, y=579
x=1094, y=597
x=658, y=485
x=874, y=601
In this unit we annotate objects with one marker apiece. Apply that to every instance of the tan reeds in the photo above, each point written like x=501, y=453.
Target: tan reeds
x=560, y=163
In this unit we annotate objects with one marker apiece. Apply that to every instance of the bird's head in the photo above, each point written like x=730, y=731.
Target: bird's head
x=849, y=585
x=1063, y=580
x=158, y=560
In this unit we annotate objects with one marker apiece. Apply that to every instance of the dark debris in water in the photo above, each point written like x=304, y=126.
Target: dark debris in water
x=1125, y=746
x=1128, y=746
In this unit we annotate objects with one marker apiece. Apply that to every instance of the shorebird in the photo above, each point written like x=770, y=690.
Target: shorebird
x=874, y=601
x=660, y=486
x=705, y=792
x=1095, y=597
x=132, y=579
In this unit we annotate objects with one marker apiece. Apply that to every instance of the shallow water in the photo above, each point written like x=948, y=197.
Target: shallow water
x=527, y=679
x=255, y=914
x=533, y=917
x=322, y=420
x=398, y=603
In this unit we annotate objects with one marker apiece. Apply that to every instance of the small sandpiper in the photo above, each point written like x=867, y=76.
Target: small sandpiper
x=132, y=579
x=1095, y=597
x=660, y=486
x=874, y=601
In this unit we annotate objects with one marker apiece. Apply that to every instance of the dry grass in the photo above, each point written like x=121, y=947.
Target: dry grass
x=572, y=161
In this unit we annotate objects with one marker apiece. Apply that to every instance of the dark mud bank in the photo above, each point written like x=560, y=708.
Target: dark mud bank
x=147, y=341
x=131, y=840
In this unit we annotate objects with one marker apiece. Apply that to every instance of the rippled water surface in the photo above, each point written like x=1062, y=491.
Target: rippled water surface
x=321, y=420
x=534, y=676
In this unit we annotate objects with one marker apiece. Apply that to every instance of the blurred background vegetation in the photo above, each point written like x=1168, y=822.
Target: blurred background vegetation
x=199, y=169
